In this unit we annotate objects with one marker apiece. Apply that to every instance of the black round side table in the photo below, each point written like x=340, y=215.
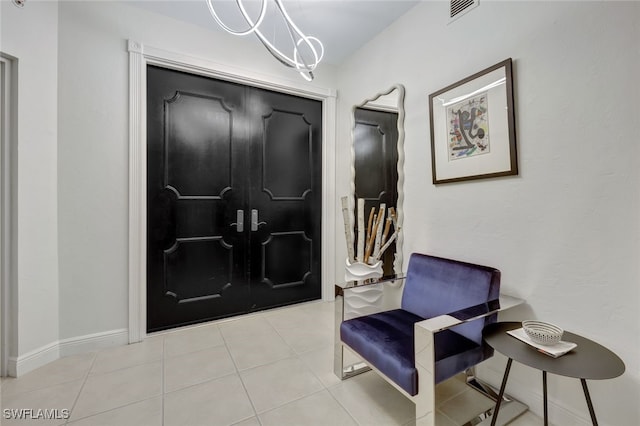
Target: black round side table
x=589, y=360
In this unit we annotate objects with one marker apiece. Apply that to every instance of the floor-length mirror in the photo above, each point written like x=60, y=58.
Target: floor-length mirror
x=377, y=177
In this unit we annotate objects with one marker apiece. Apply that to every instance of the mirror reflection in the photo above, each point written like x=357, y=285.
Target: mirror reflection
x=377, y=177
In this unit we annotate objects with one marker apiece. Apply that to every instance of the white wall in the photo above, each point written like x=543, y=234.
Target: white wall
x=565, y=232
x=31, y=35
x=93, y=144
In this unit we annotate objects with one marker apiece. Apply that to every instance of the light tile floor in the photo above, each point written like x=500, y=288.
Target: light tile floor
x=269, y=368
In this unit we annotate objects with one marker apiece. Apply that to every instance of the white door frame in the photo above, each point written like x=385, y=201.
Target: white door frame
x=8, y=136
x=139, y=57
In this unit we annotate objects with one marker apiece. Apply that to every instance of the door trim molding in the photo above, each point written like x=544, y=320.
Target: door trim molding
x=139, y=57
x=8, y=212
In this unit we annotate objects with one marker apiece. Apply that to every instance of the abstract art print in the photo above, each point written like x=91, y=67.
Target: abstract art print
x=472, y=122
x=468, y=127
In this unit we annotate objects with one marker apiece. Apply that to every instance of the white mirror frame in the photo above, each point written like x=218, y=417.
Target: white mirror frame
x=397, y=264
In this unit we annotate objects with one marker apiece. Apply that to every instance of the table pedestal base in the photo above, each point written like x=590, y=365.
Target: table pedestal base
x=508, y=412
x=588, y=361
x=510, y=408
x=495, y=419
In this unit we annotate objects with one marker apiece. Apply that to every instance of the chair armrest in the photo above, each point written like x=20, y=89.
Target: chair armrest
x=452, y=319
x=340, y=288
x=424, y=335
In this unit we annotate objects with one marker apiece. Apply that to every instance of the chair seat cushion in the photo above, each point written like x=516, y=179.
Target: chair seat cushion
x=386, y=341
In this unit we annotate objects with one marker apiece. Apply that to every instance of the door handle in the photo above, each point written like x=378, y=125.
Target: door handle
x=254, y=221
x=239, y=223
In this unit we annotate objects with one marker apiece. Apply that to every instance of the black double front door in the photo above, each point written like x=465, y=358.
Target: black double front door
x=233, y=198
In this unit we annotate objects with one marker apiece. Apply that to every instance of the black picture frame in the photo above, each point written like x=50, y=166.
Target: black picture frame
x=473, y=127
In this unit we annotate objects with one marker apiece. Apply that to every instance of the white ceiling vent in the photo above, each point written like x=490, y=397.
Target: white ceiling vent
x=457, y=8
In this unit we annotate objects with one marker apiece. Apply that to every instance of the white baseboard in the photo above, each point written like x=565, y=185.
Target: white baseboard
x=93, y=342
x=71, y=346
x=33, y=359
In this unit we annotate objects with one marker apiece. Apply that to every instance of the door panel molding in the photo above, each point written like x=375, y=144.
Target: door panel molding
x=223, y=278
x=179, y=105
x=139, y=57
x=304, y=260
x=285, y=183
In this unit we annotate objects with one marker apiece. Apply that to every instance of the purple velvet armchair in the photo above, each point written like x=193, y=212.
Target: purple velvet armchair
x=435, y=334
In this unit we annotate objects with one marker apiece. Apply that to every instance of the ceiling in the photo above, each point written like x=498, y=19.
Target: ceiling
x=342, y=26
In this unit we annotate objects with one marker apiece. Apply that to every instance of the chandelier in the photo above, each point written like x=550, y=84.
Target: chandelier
x=305, y=51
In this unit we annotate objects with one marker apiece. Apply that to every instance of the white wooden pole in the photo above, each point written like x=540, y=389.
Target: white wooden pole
x=361, y=230
x=348, y=232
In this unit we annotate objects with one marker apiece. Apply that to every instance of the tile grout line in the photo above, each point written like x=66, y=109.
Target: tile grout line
x=291, y=355
x=66, y=381
x=442, y=413
x=104, y=373
x=295, y=356
x=208, y=348
x=84, y=382
x=49, y=386
x=346, y=410
x=343, y=406
x=162, y=382
x=161, y=360
x=114, y=409
x=299, y=399
x=253, y=407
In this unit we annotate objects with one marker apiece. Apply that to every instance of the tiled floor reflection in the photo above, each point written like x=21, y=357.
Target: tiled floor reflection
x=270, y=368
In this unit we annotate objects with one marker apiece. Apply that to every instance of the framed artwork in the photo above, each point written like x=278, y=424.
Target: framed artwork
x=473, y=133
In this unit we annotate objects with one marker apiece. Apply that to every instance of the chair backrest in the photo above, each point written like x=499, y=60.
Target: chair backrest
x=436, y=286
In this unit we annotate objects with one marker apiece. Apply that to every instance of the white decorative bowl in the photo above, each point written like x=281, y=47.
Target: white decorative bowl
x=543, y=333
